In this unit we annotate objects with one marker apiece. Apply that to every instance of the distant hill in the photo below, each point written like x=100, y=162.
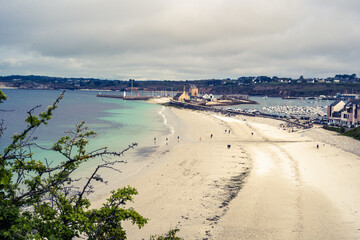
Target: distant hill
x=244, y=85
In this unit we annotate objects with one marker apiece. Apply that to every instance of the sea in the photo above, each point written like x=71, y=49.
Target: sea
x=118, y=123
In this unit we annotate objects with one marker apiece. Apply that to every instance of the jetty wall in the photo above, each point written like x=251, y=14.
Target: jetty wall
x=126, y=97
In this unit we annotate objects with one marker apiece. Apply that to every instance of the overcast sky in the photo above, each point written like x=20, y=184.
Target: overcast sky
x=179, y=39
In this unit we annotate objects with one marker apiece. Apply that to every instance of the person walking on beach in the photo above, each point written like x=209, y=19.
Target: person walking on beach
x=166, y=141
x=211, y=135
x=178, y=138
x=154, y=139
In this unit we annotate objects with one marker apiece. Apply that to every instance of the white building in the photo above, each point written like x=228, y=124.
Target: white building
x=209, y=97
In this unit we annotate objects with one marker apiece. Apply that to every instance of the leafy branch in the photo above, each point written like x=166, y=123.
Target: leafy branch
x=43, y=199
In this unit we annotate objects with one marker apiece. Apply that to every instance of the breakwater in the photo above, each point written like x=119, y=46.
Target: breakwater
x=125, y=97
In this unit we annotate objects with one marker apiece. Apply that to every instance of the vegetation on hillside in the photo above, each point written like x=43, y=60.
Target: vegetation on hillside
x=340, y=129
x=261, y=85
x=354, y=133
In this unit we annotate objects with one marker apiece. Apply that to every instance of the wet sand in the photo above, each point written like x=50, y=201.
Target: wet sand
x=257, y=182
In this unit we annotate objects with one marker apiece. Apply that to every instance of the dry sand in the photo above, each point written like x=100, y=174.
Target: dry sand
x=159, y=100
x=257, y=182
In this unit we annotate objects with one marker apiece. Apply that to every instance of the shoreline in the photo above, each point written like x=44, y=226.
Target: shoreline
x=139, y=160
x=270, y=183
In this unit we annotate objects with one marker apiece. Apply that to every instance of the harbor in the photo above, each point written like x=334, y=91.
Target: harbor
x=300, y=112
x=290, y=122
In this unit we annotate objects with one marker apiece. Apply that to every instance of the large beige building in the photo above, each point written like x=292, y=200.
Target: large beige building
x=193, y=91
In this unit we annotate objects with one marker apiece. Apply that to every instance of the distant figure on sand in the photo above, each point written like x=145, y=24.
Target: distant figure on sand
x=252, y=133
x=211, y=136
x=225, y=130
x=166, y=141
x=317, y=146
x=178, y=138
x=154, y=139
x=229, y=131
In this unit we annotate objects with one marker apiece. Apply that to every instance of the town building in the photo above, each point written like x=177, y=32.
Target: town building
x=334, y=112
x=351, y=113
x=208, y=97
x=181, y=96
x=341, y=113
x=193, y=91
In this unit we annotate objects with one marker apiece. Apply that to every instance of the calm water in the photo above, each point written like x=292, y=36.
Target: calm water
x=118, y=123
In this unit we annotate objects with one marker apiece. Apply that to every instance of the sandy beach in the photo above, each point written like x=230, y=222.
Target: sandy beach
x=250, y=180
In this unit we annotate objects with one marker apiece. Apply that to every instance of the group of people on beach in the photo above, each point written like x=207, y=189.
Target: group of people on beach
x=211, y=137
x=178, y=138
x=167, y=140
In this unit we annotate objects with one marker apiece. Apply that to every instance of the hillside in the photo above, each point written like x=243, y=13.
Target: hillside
x=254, y=86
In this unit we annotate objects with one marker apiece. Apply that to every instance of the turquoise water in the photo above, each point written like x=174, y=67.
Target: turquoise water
x=118, y=123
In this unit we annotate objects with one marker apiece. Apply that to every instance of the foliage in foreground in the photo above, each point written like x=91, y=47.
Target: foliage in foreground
x=43, y=200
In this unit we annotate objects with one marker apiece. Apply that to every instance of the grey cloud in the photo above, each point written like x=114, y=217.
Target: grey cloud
x=171, y=39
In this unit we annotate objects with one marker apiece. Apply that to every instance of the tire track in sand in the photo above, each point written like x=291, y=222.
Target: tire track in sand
x=271, y=204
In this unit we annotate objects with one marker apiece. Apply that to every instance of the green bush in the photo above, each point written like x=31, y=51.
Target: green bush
x=341, y=129
x=330, y=128
x=354, y=133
